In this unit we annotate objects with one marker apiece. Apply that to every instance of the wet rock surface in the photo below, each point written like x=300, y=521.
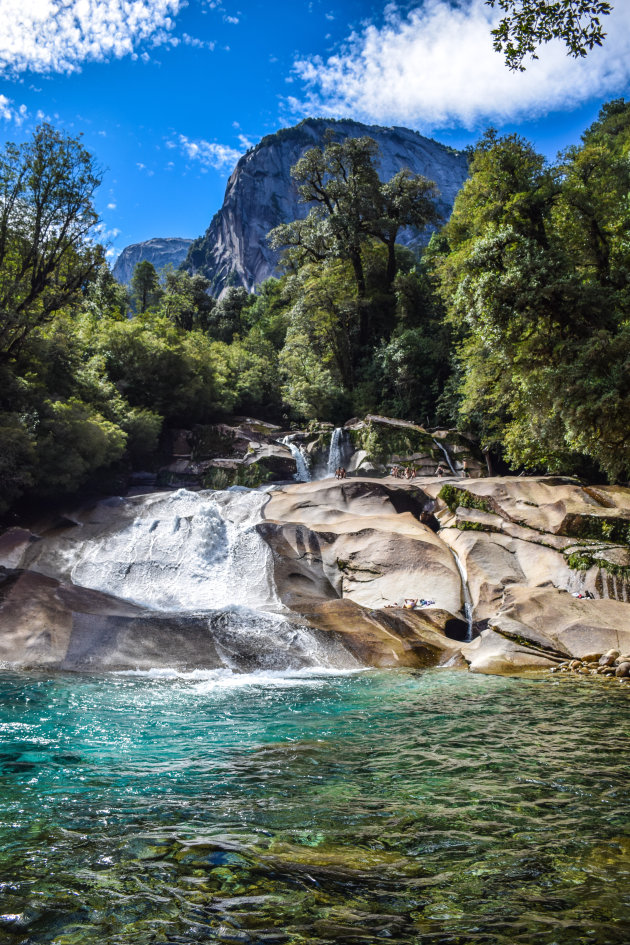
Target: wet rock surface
x=484, y=558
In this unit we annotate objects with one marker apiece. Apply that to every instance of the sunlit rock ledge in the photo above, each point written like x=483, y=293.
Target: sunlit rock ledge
x=316, y=573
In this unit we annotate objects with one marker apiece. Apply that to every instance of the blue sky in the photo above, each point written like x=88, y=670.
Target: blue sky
x=168, y=94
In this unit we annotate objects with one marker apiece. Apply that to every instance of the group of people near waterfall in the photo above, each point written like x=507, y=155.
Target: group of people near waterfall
x=404, y=472
x=340, y=472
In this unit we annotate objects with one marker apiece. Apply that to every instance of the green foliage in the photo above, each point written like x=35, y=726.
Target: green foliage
x=145, y=286
x=186, y=300
x=599, y=528
x=381, y=441
x=250, y=476
x=528, y=24
x=72, y=442
x=47, y=218
x=352, y=209
x=534, y=271
x=454, y=498
x=583, y=561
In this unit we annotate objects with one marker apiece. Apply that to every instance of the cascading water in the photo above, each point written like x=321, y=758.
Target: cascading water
x=335, y=456
x=447, y=457
x=468, y=606
x=303, y=473
x=184, y=551
x=198, y=560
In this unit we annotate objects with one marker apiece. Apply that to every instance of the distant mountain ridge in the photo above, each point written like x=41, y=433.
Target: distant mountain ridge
x=260, y=194
x=160, y=251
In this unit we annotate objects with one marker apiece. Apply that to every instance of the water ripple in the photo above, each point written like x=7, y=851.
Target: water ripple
x=435, y=807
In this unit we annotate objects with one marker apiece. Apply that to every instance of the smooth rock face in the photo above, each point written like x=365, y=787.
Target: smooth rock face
x=537, y=628
x=160, y=251
x=349, y=540
x=44, y=622
x=261, y=194
x=328, y=564
x=384, y=638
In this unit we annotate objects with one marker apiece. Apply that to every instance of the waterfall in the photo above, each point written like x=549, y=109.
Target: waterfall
x=302, y=471
x=334, y=453
x=183, y=551
x=468, y=606
x=203, y=574
x=447, y=457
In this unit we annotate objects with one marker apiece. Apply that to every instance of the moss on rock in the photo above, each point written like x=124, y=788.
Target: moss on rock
x=454, y=498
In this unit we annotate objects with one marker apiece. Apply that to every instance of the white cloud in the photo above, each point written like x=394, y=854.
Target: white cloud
x=436, y=67
x=111, y=206
x=189, y=40
x=231, y=19
x=58, y=35
x=210, y=154
x=11, y=112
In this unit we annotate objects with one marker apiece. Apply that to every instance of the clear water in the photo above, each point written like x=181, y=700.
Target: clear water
x=435, y=807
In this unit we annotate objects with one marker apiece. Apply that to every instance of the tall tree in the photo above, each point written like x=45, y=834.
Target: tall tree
x=351, y=207
x=47, y=218
x=535, y=276
x=145, y=286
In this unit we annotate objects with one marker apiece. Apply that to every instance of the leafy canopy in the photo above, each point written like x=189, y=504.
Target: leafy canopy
x=528, y=24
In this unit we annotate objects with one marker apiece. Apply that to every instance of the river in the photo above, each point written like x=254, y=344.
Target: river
x=313, y=807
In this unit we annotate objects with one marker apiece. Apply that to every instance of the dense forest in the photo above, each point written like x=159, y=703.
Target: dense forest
x=513, y=325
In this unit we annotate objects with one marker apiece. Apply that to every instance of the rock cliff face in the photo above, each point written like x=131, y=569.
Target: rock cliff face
x=261, y=194
x=158, y=251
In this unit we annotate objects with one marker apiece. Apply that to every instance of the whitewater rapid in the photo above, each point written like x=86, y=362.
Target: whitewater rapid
x=184, y=551
x=198, y=564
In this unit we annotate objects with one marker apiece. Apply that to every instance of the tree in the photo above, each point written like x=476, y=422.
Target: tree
x=530, y=23
x=47, y=218
x=352, y=208
x=535, y=276
x=145, y=286
x=186, y=300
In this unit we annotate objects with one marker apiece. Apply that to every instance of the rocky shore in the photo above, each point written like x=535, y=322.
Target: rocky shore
x=502, y=574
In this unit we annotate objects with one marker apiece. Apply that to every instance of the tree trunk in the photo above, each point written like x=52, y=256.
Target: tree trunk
x=359, y=275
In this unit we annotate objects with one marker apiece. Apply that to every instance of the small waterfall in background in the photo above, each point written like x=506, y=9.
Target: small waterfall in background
x=303, y=473
x=334, y=453
x=447, y=457
x=468, y=606
x=340, y=450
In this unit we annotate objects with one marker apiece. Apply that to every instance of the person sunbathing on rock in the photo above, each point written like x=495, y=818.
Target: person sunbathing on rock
x=410, y=603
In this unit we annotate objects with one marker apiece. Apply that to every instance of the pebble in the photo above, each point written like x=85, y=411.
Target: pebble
x=608, y=658
x=608, y=665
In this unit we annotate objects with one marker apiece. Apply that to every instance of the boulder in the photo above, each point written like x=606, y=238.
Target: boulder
x=384, y=638
x=44, y=622
x=541, y=627
x=359, y=540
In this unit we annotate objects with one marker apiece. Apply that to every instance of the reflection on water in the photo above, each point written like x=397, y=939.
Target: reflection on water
x=415, y=808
